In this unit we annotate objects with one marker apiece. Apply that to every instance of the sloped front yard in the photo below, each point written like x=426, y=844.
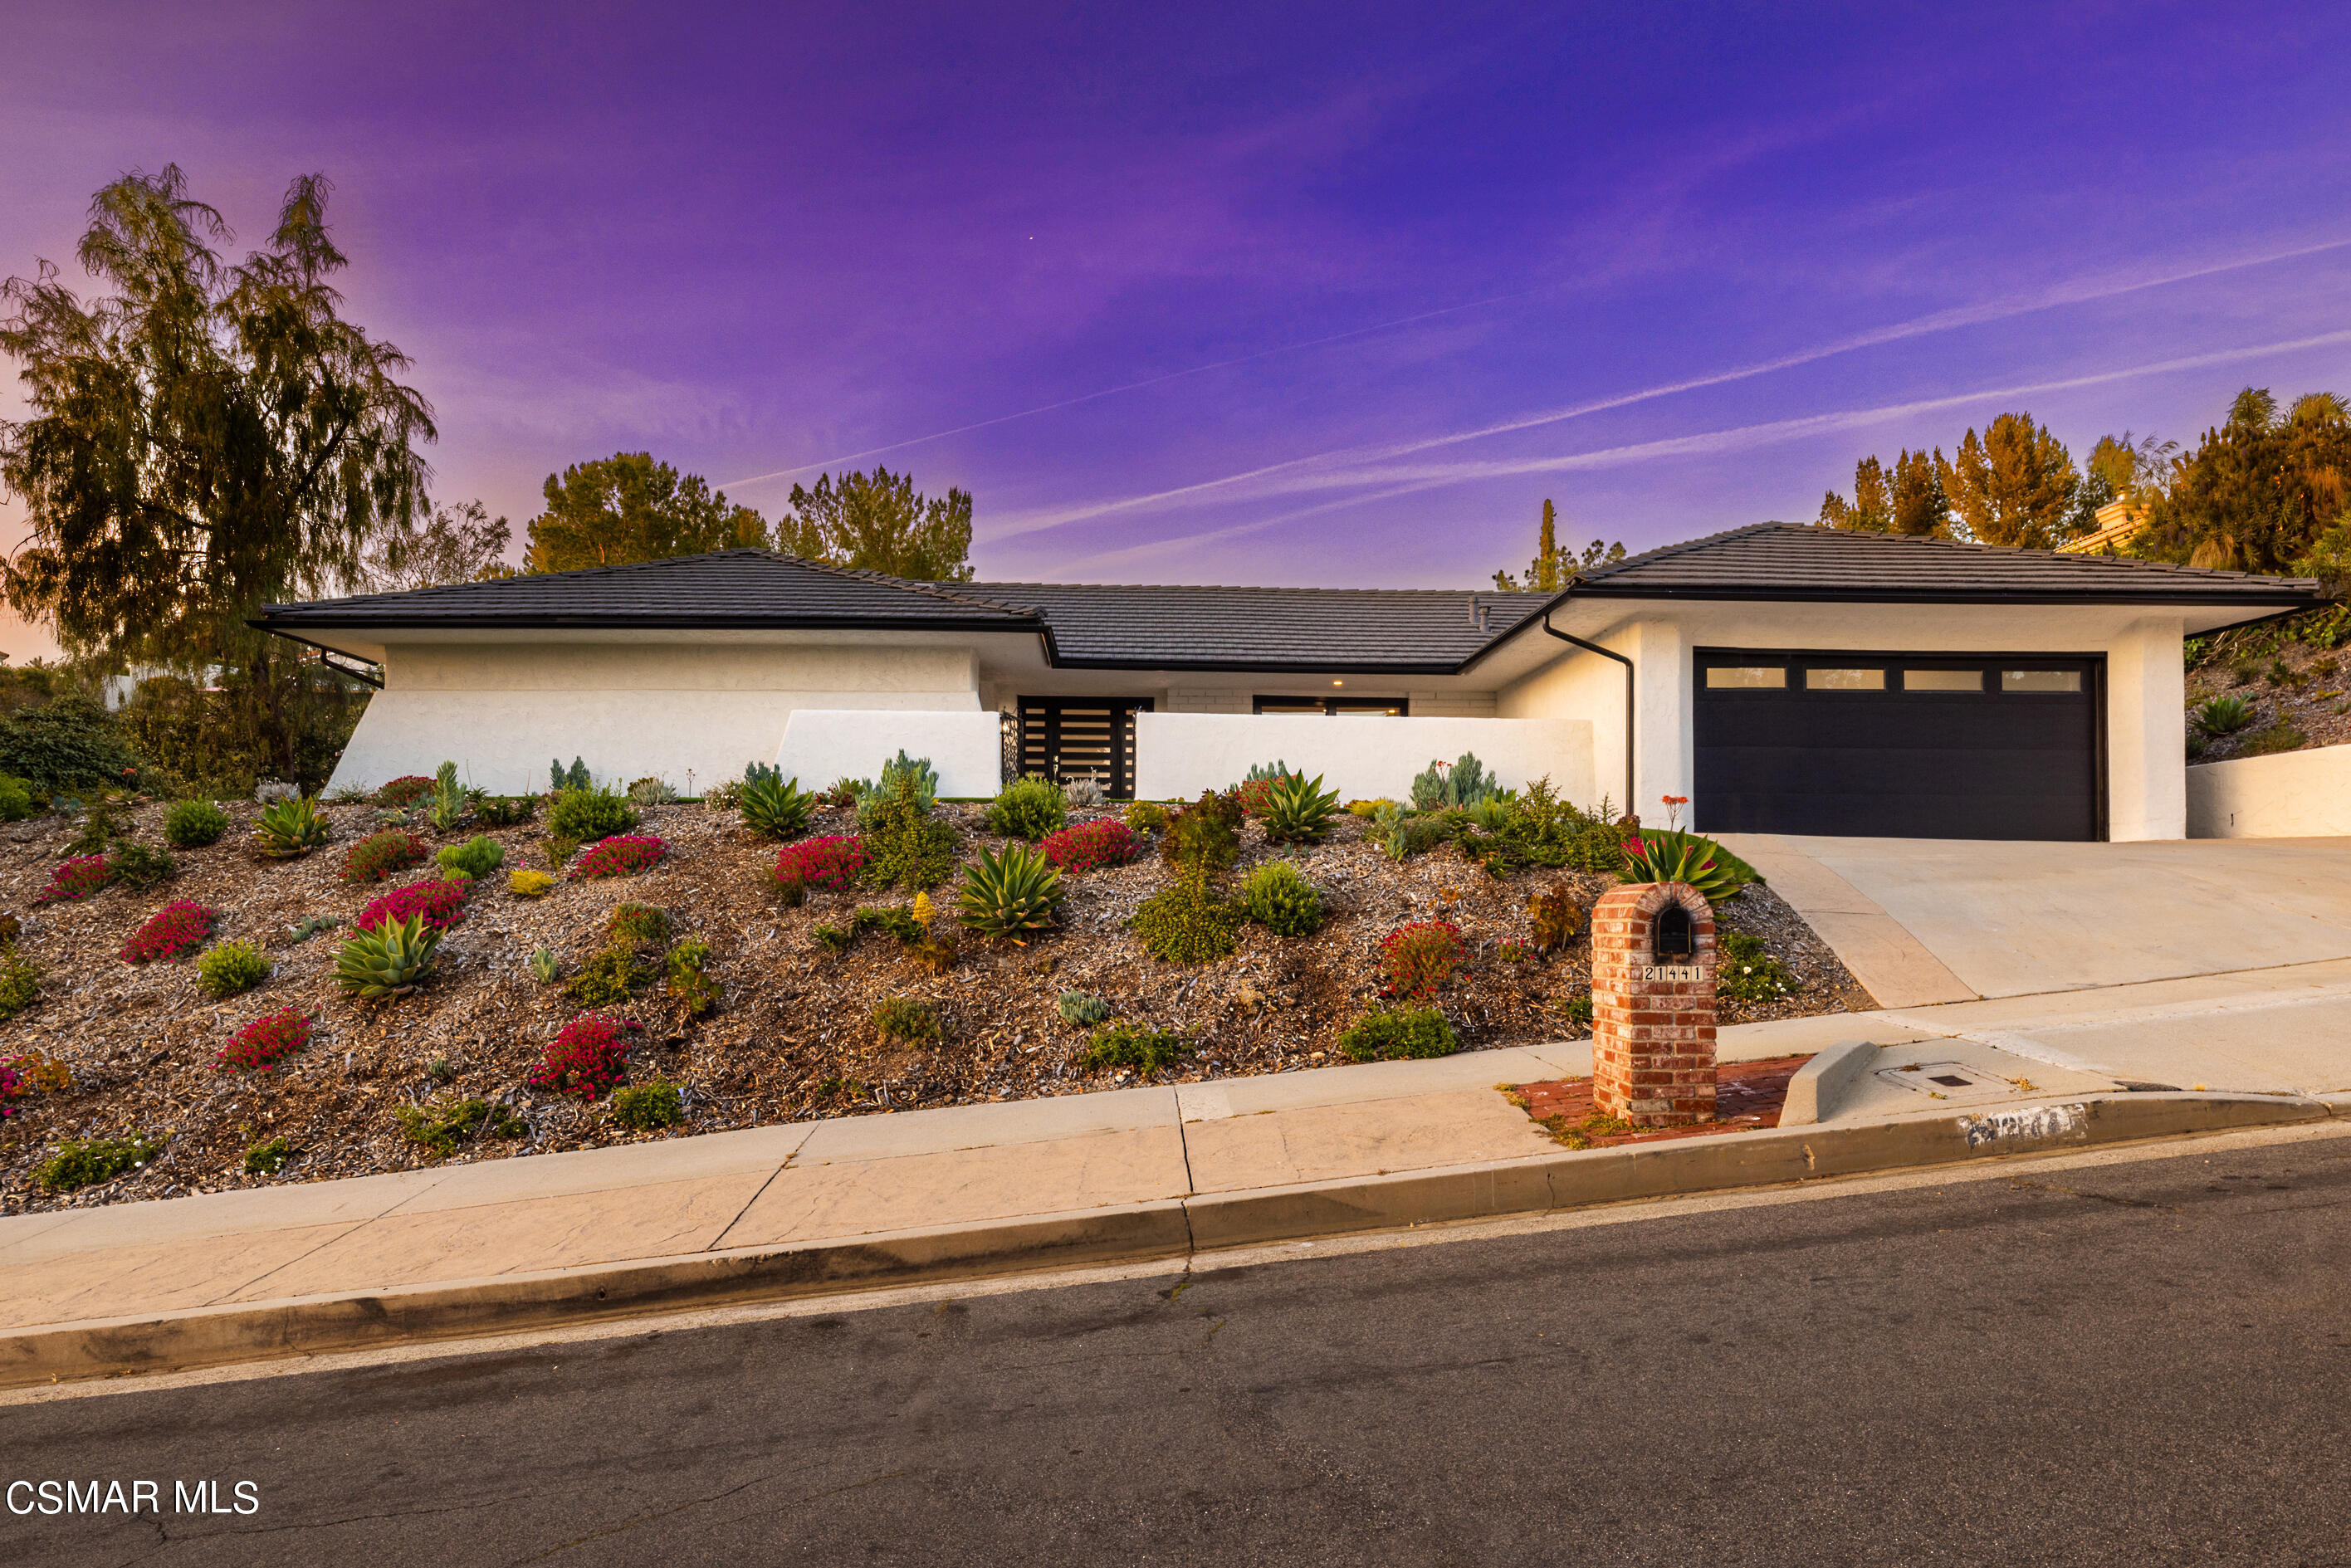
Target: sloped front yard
x=793, y=1036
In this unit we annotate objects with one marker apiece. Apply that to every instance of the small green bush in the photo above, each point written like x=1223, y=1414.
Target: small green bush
x=1746, y=972
x=1083, y=1011
x=20, y=981
x=506, y=811
x=192, y=824
x=689, y=977
x=85, y=1162
x=1186, y=923
x=16, y=802
x=1130, y=1046
x=2281, y=735
x=560, y=779
x=476, y=857
x=230, y=968
x=904, y=1019
x=440, y=1126
x=134, y=865
x=1147, y=817
x=379, y=855
x=642, y=1107
x=608, y=980
x=1029, y=808
x=906, y=847
x=268, y=1156
x=895, y=922
x=1398, y=1033
x=637, y=924
x=584, y=815
x=1278, y=897
x=1205, y=833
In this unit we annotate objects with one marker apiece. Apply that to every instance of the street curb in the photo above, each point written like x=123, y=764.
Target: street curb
x=1167, y=1228
x=1813, y=1091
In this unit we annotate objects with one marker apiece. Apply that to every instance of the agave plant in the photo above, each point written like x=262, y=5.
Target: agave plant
x=1013, y=895
x=775, y=807
x=1298, y=809
x=2224, y=716
x=1657, y=855
x=290, y=828
x=389, y=960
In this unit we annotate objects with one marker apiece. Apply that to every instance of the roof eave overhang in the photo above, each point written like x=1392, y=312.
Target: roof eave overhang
x=2259, y=601
x=625, y=622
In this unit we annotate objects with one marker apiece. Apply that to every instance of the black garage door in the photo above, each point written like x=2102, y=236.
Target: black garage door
x=1997, y=746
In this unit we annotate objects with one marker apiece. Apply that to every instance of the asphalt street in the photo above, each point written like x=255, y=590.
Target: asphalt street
x=2146, y=1363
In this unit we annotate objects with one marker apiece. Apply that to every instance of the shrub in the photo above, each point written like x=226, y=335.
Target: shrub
x=832, y=938
x=545, y=967
x=1089, y=846
x=1147, y=817
x=439, y=904
x=1463, y=782
x=98, y=831
x=2223, y=716
x=1281, y=899
x=1397, y=1033
x=589, y=814
x=1084, y=790
x=642, y=1107
x=476, y=857
x=1298, y=809
x=16, y=802
x=403, y=793
x=904, y=1019
x=1745, y=971
x=85, y=1162
x=775, y=807
x=289, y=829
x=1130, y=1046
x=529, y=883
x=67, y=742
x=560, y=778
x=230, y=968
x=1028, y=809
x=587, y=1059
x=1553, y=917
x=909, y=848
x=637, y=924
x=2281, y=735
x=441, y=1125
x=1205, y=833
x=76, y=879
x=609, y=979
x=833, y=865
x=921, y=778
x=379, y=855
x=1578, y=1010
x=264, y=1042
x=192, y=824
x=268, y=1156
x=898, y=922
x=20, y=982
x=1660, y=855
x=844, y=792
x=1410, y=836
x=621, y=855
x=651, y=791
x=506, y=811
x=1012, y=896
x=689, y=977
x=1083, y=1011
x=1186, y=923
x=171, y=933
x=136, y=865
x=1255, y=791
x=389, y=961
x=558, y=850
x=1416, y=959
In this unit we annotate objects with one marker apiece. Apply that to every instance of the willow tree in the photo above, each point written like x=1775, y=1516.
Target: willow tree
x=205, y=438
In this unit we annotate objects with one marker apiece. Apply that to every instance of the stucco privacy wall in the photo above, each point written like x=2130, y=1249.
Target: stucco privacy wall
x=1181, y=753
x=821, y=745
x=501, y=711
x=2295, y=794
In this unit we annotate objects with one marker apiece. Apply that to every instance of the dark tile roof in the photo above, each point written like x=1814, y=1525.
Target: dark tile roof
x=726, y=588
x=1801, y=560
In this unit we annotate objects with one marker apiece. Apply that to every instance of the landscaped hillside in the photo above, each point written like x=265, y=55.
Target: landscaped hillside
x=817, y=1012
x=2278, y=686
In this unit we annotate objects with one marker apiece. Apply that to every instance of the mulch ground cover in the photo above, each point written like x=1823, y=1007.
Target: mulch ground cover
x=1748, y=1097
x=793, y=1036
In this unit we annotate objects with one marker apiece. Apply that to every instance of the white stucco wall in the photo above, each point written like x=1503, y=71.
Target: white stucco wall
x=2293, y=795
x=1181, y=753
x=2146, y=733
x=821, y=745
x=1582, y=685
x=692, y=714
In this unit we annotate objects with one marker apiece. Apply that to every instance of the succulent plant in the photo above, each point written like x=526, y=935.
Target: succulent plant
x=1298, y=809
x=775, y=807
x=1014, y=895
x=2223, y=716
x=1083, y=1011
x=289, y=829
x=387, y=961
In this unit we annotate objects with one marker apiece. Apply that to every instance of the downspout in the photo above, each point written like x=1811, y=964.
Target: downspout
x=1630, y=691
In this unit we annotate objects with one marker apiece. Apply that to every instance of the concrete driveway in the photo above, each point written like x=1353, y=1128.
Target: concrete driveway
x=2209, y=962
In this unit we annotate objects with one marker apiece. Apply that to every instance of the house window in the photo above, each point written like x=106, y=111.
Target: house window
x=1845, y=680
x=1344, y=708
x=2040, y=679
x=1750, y=675
x=1942, y=680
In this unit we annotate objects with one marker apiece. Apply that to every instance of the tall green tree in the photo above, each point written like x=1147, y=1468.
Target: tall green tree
x=1910, y=501
x=627, y=507
x=2014, y=485
x=1555, y=567
x=2261, y=491
x=204, y=439
x=880, y=522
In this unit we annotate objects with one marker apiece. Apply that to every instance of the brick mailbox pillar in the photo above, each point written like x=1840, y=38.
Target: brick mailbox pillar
x=1652, y=1024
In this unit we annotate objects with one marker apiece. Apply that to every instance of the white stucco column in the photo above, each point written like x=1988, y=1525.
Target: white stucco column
x=2147, y=759
x=1664, y=736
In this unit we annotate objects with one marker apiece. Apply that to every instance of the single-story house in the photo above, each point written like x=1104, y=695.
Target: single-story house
x=1782, y=677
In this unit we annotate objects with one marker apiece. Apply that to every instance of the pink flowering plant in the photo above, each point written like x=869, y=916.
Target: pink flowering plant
x=12, y=1088
x=379, y=855
x=266, y=1042
x=832, y=864
x=588, y=1059
x=1089, y=846
x=1416, y=959
x=171, y=933
x=442, y=905
x=76, y=879
x=621, y=855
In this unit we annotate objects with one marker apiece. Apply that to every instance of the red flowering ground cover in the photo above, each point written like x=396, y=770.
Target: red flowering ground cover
x=1416, y=959
x=587, y=1059
x=379, y=855
x=441, y=904
x=76, y=879
x=12, y=1088
x=174, y=932
x=264, y=1042
x=405, y=791
x=831, y=865
x=620, y=855
x=1089, y=846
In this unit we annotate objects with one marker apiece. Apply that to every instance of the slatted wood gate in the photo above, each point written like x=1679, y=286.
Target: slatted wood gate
x=1068, y=738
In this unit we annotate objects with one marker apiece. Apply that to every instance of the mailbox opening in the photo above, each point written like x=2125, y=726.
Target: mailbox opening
x=1673, y=938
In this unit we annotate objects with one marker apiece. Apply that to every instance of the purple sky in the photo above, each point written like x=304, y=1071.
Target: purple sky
x=1255, y=294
